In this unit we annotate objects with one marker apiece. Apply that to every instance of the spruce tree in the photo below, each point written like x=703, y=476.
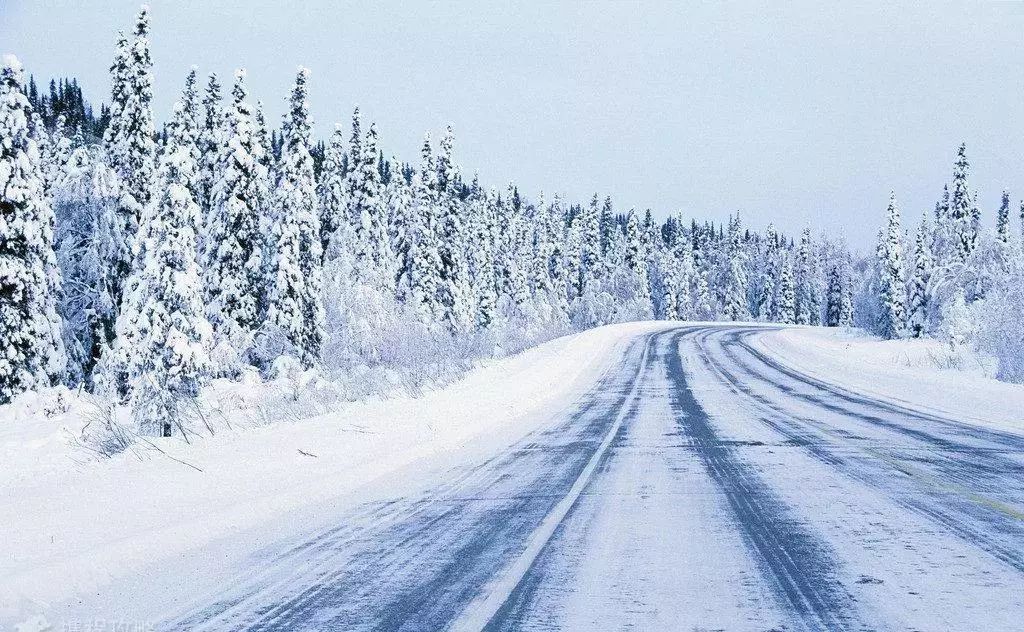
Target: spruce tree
x=893, y=288
x=295, y=301
x=424, y=257
x=808, y=301
x=482, y=235
x=233, y=243
x=961, y=220
x=918, y=303
x=787, y=292
x=766, y=302
x=209, y=143
x=368, y=210
x=734, y=304
x=590, y=258
x=1003, y=220
x=169, y=337
x=636, y=260
x=834, y=295
x=454, y=295
x=331, y=189
x=32, y=350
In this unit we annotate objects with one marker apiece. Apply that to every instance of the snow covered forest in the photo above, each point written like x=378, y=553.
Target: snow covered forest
x=141, y=262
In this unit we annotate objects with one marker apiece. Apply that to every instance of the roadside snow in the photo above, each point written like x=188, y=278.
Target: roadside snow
x=923, y=374
x=73, y=525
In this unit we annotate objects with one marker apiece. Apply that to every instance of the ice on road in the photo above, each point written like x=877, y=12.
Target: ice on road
x=701, y=485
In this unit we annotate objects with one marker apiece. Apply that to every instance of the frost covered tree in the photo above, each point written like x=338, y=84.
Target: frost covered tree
x=453, y=290
x=368, y=210
x=918, y=307
x=331, y=189
x=808, y=300
x=233, y=243
x=90, y=247
x=834, y=291
x=636, y=259
x=1003, y=220
x=209, y=142
x=768, y=284
x=734, y=291
x=962, y=229
x=132, y=148
x=33, y=350
x=163, y=323
x=295, y=295
x=787, y=292
x=482, y=236
x=892, y=320
x=424, y=253
x=590, y=242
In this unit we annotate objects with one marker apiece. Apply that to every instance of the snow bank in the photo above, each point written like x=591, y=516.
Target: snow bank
x=923, y=374
x=72, y=524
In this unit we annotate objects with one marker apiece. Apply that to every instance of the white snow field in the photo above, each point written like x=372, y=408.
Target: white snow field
x=648, y=476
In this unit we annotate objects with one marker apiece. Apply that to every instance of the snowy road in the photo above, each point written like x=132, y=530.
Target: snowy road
x=698, y=485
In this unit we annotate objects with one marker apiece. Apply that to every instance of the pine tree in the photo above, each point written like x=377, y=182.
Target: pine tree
x=209, y=143
x=590, y=237
x=134, y=149
x=834, y=295
x=961, y=214
x=331, y=189
x=295, y=302
x=670, y=285
x=32, y=352
x=453, y=295
x=787, y=292
x=120, y=75
x=366, y=207
x=808, y=301
x=482, y=235
x=234, y=244
x=424, y=252
x=766, y=303
x=1003, y=220
x=636, y=260
x=192, y=129
x=918, y=304
x=734, y=304
x=893, y=288
x=169, y=335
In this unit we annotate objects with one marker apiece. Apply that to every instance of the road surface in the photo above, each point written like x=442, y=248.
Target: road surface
x=700, y=485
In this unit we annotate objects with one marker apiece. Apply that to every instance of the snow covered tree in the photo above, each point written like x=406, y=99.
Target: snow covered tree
x=368, y=210
x=834, y=291
x=424, y=252
x=961, y=215
x=295, y=294
x=133, y=148
x=590, y=242
x=892, y=321
x=453, y=292
x=163, y=323
x=482, y=235
x=1003, y=220
x=331, y=189
x=233, y=243
x=90, y=246
x=734, y=302
x=33, y=351
x=636, y=259
x=918, y=307
x=209, y=142
x=787, y=292
x=808, y=300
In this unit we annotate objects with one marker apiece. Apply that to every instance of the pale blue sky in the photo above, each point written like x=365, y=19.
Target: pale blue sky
x=797, y=113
